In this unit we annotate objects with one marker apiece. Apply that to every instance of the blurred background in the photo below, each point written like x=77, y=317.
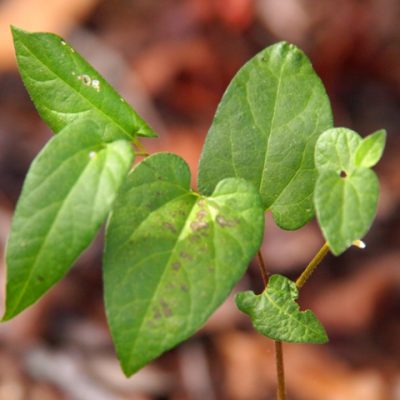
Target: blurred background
x=172, y=60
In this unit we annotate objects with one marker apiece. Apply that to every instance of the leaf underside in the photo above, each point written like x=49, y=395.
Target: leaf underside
x=66, y=89
x=346, y=194
x=275, y=313
x=173, y=256
x=265, y=131
x=66, y=196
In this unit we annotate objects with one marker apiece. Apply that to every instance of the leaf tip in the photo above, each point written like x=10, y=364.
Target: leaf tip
x=147, y=132
x=15, y=31
x=370, y=150
x=324, y=338
x=8, y=314
x=127, y=370
x=240, y=299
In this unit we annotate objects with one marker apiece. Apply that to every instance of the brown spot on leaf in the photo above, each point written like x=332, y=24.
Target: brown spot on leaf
x=186, y=255
x=178, y=213
x=170, y=227
x=194, y=238
x=171, y=286
x=157, y=313
x=184, y=288
x=201, y=214
x=198, y=225
x=165, y=307
x=201, y=203
x=225, y=223
x=176, y=265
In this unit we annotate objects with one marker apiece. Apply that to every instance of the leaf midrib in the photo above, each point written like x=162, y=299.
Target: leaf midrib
x=291, y=317
x=272, y=123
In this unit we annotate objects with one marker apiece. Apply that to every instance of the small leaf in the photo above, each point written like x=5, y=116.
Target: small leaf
x=66, y=89
x=66, y=196
x=265, y=131
x=335, y=150
x=172, y=256
x=345, y=195
x=370, y=150
x=275, y=313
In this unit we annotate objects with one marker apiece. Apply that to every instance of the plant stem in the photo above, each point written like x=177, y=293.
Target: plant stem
x=261, y=266
x=323, y=251
x=281, y=392
x=141, y=154
x=280, y=372
x=140, y=146
x=302, y=279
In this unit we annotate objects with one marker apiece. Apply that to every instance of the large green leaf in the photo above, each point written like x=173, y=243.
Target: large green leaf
x=66, y=196
x=65, y=88
x=275, y=313
x=173, y=256
x=346, y=192
x=265, y=131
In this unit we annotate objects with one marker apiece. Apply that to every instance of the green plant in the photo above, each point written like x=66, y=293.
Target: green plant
x=172, y=255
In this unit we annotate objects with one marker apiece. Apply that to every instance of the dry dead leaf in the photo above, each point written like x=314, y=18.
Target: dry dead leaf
x=312, y=373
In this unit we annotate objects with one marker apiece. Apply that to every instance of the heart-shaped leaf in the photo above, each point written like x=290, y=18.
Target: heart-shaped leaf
x=346, y=192
x=265, y=131
x=275, y=313
x=66, y=89
x=172, y=256
x=66, y=196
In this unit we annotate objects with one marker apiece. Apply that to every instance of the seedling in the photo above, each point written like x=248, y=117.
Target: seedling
x=172, y=255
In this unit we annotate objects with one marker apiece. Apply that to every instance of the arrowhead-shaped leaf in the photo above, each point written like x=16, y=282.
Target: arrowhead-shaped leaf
x=275, y=313
x=265, y=131
x=346, y=194
x=66, y=89
x=66, y=196
x=172, y=256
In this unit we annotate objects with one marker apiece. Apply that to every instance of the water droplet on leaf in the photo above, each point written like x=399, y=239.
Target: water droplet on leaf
x=96, y=85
